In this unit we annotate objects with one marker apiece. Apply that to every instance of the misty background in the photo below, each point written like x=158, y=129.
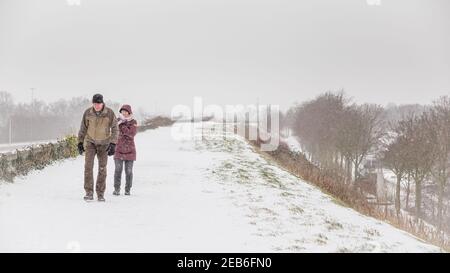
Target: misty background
x=156, y=54
x=390, y=57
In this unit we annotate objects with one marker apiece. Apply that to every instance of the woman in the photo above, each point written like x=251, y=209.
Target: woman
x=125, y=150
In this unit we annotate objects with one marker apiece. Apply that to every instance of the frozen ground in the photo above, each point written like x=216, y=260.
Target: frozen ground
x=210, y=195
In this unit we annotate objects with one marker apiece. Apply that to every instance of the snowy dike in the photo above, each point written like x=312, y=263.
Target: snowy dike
x=207, y=195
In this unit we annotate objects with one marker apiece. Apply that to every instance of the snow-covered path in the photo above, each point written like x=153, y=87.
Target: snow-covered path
x=210, y=195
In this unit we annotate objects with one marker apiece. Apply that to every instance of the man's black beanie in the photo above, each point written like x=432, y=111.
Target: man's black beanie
x=98, y=98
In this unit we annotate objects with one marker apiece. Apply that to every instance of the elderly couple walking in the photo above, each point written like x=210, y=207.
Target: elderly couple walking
x=102, y=134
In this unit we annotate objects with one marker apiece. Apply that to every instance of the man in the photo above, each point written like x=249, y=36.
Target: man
x=97, y=136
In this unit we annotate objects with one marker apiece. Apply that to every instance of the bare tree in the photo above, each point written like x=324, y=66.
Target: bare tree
x=395, y=159
x=317, y=124
x=420, y=152
x=46, y=120
x=364, y=129
x=338, y=136
x=440, y=128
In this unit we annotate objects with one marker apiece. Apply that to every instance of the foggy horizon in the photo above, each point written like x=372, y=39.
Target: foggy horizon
x=155, y=55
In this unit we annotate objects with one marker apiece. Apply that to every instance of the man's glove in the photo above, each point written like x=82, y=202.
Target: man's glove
x=81, y=148
x=111, y=149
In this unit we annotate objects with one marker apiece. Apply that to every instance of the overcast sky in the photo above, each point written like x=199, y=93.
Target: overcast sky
x=161, y=53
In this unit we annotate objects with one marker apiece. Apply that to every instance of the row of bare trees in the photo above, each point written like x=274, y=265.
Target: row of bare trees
x=412, y=141
x=337, y=134
x=38, y=120
x=418, y=149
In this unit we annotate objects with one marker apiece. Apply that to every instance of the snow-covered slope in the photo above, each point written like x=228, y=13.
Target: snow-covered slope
x=213, y=195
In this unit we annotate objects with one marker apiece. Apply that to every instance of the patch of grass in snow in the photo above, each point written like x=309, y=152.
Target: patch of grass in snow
x=223, y=144
x=287, y=194
x=296, y=248
x=255, y=199
x=242, y=174
x=269, y=176
x=300, y=241
x=252, y=215
x=364, y=248
x=266, y=211
x=296, y=210
x=321, y=239
x=371, y=232
x=270, y=219
x=231, y=145
x=275, y=234
x=227, y=165
x=223, y=172
x=234, y=171
x=333, y=225
x=343, y=250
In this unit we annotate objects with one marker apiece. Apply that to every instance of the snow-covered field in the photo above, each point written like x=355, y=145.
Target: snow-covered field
x=210, y=195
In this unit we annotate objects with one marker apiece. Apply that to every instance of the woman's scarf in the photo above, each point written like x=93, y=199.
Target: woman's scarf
x=123, y=119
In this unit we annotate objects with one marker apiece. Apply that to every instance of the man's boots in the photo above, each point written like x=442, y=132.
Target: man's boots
x=88, y=197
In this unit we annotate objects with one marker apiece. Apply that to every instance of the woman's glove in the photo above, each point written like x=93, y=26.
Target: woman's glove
x=111, y=149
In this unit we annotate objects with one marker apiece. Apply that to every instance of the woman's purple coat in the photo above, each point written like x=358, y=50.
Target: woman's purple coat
x=126, y=148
